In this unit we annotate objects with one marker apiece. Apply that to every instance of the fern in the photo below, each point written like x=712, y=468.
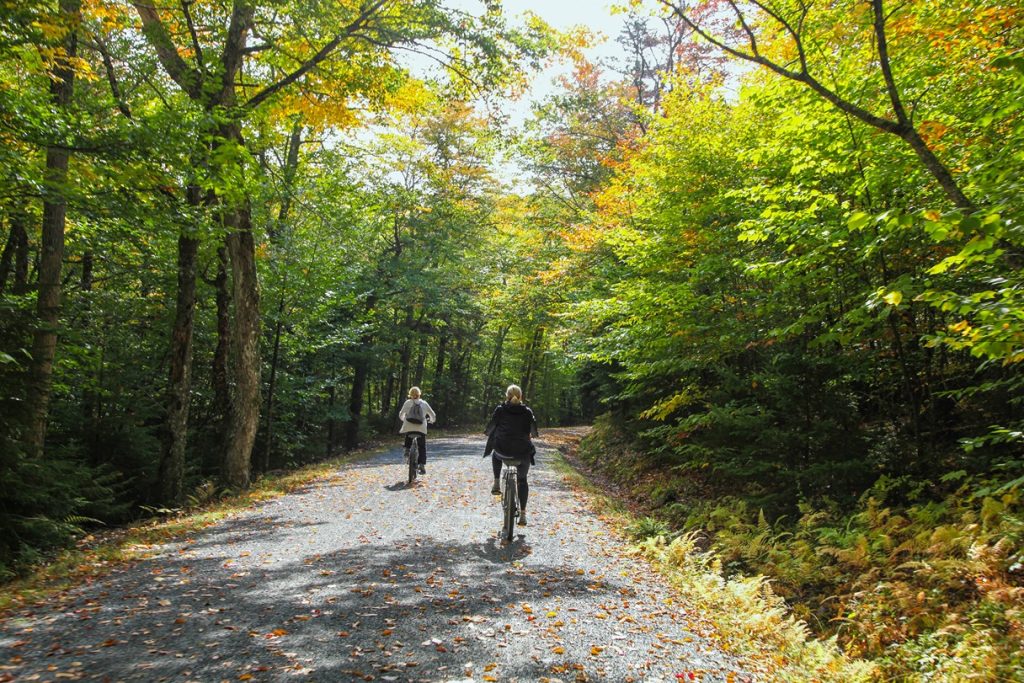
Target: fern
x=648, y=527
x=206, y=493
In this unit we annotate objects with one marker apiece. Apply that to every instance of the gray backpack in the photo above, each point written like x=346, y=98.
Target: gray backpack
x=415, y=414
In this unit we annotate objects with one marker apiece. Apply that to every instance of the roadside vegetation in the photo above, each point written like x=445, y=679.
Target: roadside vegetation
x=919, y=586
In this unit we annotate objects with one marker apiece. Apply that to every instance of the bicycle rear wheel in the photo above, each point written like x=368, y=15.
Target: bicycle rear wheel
x=508, y=504
x=410, y=456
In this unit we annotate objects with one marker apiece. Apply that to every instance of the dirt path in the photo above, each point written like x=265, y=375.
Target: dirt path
x=357, y=577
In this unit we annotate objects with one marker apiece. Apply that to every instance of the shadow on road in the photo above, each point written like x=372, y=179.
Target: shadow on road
x=416, y=609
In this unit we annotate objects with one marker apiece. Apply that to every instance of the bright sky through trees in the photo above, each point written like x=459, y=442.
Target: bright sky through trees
x=595, y=15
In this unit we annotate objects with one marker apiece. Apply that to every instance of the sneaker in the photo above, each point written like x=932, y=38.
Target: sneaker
x=522, y=518
x=422, y=469
x=496, y=489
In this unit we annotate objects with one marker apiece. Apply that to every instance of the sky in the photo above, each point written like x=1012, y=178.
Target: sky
x=595, y=15
x=562, y=15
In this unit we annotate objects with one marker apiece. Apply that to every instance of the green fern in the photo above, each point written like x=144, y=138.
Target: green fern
x=648, y=527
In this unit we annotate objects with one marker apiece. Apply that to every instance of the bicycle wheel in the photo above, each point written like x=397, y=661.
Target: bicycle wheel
x=508, y=504
x=410, y=456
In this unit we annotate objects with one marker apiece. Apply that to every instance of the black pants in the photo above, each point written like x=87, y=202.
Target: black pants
x=422, y=460
x=522, y=470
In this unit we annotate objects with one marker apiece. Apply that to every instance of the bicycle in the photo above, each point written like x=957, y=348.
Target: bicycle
x=410, y=456
x=509, y=495
x=411, y=452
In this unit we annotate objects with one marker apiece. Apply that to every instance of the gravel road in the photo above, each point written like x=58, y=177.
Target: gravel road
x=357, y=577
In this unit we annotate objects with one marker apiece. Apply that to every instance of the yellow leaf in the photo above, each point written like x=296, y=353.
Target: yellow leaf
x=559, y=650
x=893, y=298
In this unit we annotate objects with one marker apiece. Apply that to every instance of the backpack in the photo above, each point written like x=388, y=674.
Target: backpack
x=415, y=414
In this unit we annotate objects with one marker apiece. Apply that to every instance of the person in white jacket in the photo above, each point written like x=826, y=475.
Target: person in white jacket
x=410, y=408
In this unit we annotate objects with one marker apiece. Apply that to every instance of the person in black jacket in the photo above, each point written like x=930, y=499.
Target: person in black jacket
x=509, y=432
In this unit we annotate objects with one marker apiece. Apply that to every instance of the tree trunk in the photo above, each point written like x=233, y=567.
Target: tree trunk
x=361, y=368
x=172, y=458
x=421, y=363
x=271, y=386
x=20, y=255
x=493, y=368
x=355, y=404
x=276, y=229
x=531, y=360
x=44, y=340
x=461, y=382
x=90, y=393
x=388, y=396
x=221, y=387
x=85, y=283
x=442, y=347
x=330, y=420
x=245, y=405
x=405, y=364
x=15, y=255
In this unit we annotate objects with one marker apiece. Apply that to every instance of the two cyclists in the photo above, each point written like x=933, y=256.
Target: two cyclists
x=509, y=435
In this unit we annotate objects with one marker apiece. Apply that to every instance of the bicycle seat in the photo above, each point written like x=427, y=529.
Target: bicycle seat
x=507, y=458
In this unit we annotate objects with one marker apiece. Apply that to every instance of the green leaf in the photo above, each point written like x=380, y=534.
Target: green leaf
x=858, y=221
x=893, y=298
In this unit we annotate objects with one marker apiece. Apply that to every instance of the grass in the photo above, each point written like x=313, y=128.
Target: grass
x=96, y=554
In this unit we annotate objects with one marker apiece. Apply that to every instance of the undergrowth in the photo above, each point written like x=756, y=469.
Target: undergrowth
x=750, y=618
x=925, y=589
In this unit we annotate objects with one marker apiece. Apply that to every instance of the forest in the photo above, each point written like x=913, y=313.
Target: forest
x=773, y=253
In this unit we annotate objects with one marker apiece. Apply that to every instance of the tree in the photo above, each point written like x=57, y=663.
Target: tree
x=44, y=342
x=779, y=36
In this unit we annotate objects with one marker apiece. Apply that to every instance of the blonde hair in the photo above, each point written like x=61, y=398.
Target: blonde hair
x=414, y=392
x=514, y=394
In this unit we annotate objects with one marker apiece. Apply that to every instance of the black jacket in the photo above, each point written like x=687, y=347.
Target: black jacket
x=510, y=429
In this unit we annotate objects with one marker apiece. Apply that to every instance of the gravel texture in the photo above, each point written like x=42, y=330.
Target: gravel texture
x=358, y=577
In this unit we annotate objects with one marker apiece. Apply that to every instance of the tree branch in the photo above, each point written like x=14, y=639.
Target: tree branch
x=189, y=79
x=238, y=28
x=885, y=65
x=358, y=23
x=746, y=28
x=901, y=127
x=108, y=65
x=185, y=4
x=800, y=76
